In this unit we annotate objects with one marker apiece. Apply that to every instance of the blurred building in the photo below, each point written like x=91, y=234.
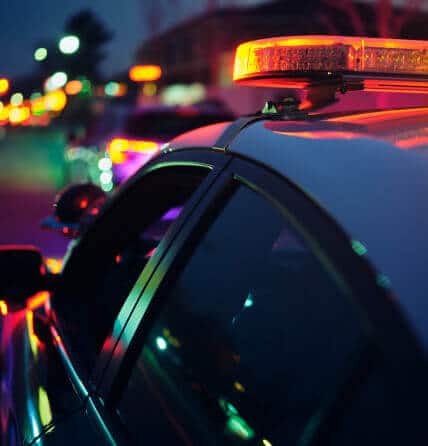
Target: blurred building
x=201, y=49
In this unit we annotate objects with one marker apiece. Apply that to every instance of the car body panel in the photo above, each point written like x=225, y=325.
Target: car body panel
x=35, y=390
x=371, y=188
x=351, y=166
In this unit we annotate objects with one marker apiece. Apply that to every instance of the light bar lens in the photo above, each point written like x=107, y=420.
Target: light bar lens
x=326, y=54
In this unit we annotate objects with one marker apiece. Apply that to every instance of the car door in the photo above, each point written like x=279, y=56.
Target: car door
x=258, y=326
x=102, y=269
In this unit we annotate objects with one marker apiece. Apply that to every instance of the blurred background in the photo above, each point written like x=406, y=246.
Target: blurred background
x=90, y=90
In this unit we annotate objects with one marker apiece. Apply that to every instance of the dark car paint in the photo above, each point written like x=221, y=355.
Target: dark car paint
x=75, y=419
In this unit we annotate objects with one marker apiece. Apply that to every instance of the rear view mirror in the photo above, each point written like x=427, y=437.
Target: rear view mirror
x=75, y=207
x=22, y=273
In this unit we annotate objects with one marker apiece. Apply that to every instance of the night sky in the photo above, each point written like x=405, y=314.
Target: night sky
x=26, y=23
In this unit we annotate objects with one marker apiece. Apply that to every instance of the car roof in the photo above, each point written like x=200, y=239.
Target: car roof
x=357, y=167
x=205, y=108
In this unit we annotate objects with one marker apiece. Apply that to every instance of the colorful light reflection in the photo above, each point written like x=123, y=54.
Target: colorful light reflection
x=37, y=300
x=45, y=410
x=119, y=148
x=3, y=308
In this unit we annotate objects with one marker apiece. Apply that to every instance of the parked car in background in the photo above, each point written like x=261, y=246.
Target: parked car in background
x=122, y=138
x=145, y=130
x=84, y=155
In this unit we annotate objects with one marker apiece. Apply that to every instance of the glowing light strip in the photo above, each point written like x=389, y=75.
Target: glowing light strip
x=394, y=85
x=326, y=134
x=330, y=54
x=382, y=115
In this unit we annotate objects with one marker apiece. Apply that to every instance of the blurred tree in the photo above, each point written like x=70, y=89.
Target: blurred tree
x=390, y=24
x=93, y=35
x=390, y=20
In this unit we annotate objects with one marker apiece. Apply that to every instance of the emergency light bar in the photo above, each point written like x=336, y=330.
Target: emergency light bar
x=353, y=62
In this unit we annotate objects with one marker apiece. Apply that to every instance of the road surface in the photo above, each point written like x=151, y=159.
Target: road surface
x=31, y=173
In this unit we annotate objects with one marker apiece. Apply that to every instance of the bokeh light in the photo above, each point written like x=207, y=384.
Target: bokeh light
x=149, y=89
x=17, y=99
x=40, y=54
x=86, y=86
x=4, y=86
x=106, y=177
x=35, y=95
x=57, y=80
x=104, y=164
x=55, y=100
x=69, y=44
x=111, y=88
x=17, y=115
x=4, y=113
x=38, y=106
x=73, y=87
x=145, y=73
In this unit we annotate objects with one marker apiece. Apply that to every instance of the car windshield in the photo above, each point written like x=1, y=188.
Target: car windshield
x=166, y=125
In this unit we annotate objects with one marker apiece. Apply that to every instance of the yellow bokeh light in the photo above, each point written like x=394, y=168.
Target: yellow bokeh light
x=38, y=106
x=4, y=85
x=55, y=100
x=4, y=113
x=17, y=115
x=145, y=73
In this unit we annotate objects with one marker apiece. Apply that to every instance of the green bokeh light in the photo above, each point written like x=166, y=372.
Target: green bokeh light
x=86, y=86
x=40, y=54
x=35, y=95
x=112, y=88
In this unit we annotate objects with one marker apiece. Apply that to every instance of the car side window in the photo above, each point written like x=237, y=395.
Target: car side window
x=109, y=260
x=252, y=337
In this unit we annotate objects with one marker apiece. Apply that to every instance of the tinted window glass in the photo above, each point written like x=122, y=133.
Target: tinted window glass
x=105, y=265
x=252, y=338
x=390, y=404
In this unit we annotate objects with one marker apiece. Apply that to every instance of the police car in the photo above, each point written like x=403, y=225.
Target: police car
x=260, y=282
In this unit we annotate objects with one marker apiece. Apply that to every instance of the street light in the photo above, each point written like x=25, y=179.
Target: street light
x=69, y=44
x=40, y=54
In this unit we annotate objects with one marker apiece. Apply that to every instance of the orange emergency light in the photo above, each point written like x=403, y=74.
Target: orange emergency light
x=354, y=63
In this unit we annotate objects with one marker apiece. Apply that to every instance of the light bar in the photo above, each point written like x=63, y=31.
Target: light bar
x=298, y=61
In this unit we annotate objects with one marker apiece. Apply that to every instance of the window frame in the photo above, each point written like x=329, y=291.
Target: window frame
x=215, y=163
x=324, y=237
